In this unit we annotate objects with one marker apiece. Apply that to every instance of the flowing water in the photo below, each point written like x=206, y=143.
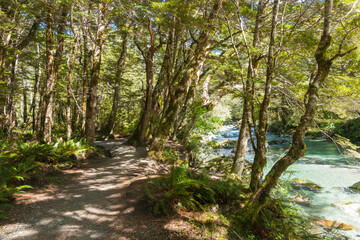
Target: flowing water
x=324, y=165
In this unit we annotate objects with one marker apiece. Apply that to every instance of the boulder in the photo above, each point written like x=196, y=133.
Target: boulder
x=331, y=224
x=305, y=184
x=226, y=135
x=226, y=144
x=302, y=200
x=355, y=187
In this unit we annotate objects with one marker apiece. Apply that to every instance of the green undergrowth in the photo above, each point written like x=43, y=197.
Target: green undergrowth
x=191, y=191
x=217, y=208
x=21, y=162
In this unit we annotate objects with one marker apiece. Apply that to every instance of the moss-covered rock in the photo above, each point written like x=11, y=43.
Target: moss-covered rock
x=305, y=184
x=355, y=187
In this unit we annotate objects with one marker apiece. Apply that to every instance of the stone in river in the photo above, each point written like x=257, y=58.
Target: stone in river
x=355, y=187
x=332, y=224
x=305, y=184
x=226, y=144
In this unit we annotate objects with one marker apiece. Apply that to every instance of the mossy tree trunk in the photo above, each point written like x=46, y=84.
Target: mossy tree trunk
x=138, y=138
x=91, y=103
x=260, y=151
x=190, y=77
x=116, y=98
x=53, y=62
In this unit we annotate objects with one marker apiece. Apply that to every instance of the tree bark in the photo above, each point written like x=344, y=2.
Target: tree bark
x=36, y=87
x=260, y=151
x=119, y=70
x=70, y=64
x=52, y=67
x=85, y=72
x=254, y=61
x=138, y=138
x=12, y=85
x=91, y=104
x=190, y=77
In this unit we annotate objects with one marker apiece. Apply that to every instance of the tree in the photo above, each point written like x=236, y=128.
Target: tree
x=100, y=37
x=297, y=148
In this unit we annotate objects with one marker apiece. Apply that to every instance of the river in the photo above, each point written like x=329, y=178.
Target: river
x=324, y=165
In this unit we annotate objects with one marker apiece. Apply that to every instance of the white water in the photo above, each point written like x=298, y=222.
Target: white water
x=325, y=166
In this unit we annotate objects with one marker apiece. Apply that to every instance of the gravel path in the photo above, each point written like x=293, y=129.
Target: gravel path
x=102, y=201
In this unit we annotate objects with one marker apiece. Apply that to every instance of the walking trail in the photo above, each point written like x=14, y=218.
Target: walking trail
x=102, y=201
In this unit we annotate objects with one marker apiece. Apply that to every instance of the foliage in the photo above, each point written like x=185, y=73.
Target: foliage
x=23, y=160
x=349, y=129
x=185, y=189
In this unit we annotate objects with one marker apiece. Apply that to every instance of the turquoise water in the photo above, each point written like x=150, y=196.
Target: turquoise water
x=324, y=165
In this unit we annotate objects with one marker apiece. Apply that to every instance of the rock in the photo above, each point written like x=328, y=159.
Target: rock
x=226, y=135
x=226, y=144
x=352, y=153
x=301, y=200
x=305, y=184
x=355, y=187
x=331, y=224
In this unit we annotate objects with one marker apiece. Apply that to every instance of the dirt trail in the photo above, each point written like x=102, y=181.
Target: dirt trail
x=102, y=201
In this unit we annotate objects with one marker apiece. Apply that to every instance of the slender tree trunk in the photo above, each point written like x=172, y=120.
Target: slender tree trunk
x=91, y=104
x=52, y=67
x=119, y=70
x=10, y=121
x=260, y=151
x=254, y=61
x=36, y=87
x=86, y=57
x=25, y=110
x=70, y=64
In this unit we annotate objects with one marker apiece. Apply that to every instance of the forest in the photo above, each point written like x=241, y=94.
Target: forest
x=277, y=83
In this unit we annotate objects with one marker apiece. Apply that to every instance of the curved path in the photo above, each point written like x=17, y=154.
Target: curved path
x=102, y=201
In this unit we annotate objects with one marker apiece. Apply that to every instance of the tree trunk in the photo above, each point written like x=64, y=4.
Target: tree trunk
x=52, y=67
x=260, y=151
x=191, y=76
x=138, y=137
x=85, y=72
x=254, y=61
x=25, y=110
x=91, y=104
x=12, y=82
x=70, y=64
x=297, y=148
x=36, y=87
x=119, y=70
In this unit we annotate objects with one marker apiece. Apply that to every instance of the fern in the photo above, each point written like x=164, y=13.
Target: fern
x=186, y=189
